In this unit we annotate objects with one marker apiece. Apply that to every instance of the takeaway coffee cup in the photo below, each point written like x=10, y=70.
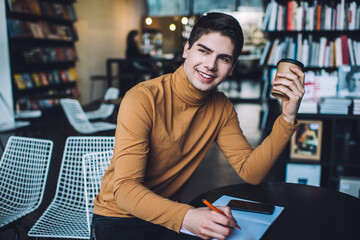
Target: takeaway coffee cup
x=283, y=67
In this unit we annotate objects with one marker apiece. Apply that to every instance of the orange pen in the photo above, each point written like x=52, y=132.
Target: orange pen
x=207, y=203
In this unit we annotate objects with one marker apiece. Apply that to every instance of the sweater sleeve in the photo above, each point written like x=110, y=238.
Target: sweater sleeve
x=130, y=162
x=252, y=165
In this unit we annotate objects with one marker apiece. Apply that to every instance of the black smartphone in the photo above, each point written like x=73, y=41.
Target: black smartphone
x=251, y=206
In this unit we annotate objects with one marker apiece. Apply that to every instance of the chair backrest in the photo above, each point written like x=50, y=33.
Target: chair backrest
x=94, y=167
x=66, y=215
x=112, y=93
x=70, y=187
x=76, y=115
x=24, y=168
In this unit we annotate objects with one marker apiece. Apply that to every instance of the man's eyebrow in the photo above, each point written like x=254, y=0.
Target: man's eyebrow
x=206, y=48
x=210, y=50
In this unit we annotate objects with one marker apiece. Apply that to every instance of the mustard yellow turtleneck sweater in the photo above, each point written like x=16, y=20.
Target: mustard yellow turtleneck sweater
x=164, y=128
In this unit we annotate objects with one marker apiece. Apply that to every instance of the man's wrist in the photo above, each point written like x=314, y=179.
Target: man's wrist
x=289, y=119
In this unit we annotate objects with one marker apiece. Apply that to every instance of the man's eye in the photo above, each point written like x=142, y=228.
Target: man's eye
x=225, y=59
x=202, y=50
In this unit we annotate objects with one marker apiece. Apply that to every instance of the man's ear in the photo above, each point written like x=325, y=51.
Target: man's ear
x=186, y=49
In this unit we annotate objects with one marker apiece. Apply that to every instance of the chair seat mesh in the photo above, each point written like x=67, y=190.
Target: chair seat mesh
x=94, y=167
x=66, y=216
x=105, y=109
x=78, y=119
x=23, y=172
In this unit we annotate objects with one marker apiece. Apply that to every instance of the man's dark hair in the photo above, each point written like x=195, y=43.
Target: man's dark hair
x=225, y=24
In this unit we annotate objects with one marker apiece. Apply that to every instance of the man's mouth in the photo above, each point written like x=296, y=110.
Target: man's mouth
x=206, y=76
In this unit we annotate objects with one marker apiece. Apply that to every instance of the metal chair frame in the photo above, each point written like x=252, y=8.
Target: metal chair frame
x=94, y=168
x=106, y=109
x=66, y=216
x=78, y=119
x=24, y=168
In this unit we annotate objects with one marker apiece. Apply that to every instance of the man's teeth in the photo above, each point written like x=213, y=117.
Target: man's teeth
x=205, y=75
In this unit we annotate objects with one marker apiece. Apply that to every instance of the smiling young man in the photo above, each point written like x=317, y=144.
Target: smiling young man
x=166, y=126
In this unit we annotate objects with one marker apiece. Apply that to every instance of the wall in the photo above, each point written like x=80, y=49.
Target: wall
x=5, y=78
x=102, y=27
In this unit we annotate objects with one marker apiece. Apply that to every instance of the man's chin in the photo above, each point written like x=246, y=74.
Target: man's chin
x=205, y=88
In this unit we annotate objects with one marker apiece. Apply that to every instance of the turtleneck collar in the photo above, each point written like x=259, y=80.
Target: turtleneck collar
x=185, y=90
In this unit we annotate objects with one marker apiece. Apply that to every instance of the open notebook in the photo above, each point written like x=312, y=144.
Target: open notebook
x=253, y=225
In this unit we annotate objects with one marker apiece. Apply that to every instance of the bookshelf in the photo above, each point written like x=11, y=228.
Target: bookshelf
x=324, y=35
x=41, y=38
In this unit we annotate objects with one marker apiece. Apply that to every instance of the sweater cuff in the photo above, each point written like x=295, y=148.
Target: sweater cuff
x=287, y=124
x=180, y=217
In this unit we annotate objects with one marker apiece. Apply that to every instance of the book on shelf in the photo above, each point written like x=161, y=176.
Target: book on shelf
x=308, y=107
x=63, y=76
x=349, y=81
x=14, y=28
x=25, y=6
x=50, y=78
x=27, y=80
x=266, y=18
x=25, y=30
x=51, y=9
x=73, y=75
x=311, y=15
x=335, y=106
x=36, y=30
x=34, y=6
x=36, y=79
x=326, y=84
x=72, y=12
x=56, y=77
x=43, y=79
x=356, y=108
x=273, y=16
x=344, y=50
x=324, y=52
x=310, y=87
x=18, y=78
x=356, y=48
x=40, y=30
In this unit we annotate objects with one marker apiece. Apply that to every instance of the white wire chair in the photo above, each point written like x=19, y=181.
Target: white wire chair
x=105, y=109
x=78, y=119
x=66, y=217
x=94, y=167
x=24, y=168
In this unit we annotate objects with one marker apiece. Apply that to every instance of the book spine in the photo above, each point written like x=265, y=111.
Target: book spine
x=344, y=50
x=318, y=17
x=289, y=15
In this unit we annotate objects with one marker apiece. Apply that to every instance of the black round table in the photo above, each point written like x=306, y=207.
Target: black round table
x=310, y=212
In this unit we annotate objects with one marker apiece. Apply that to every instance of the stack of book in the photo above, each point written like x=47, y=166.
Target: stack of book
x=356, y=110
x=335, y=105
x=308, y=106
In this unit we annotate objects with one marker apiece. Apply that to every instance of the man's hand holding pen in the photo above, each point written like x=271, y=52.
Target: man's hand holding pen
x=208, y=223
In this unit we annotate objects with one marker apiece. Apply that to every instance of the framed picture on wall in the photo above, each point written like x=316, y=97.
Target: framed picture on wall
x=306, y=141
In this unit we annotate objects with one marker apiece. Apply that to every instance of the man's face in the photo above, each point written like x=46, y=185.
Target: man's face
x=209, y=61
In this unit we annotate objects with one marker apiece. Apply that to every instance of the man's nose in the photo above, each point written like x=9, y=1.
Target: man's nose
x=211, y=63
